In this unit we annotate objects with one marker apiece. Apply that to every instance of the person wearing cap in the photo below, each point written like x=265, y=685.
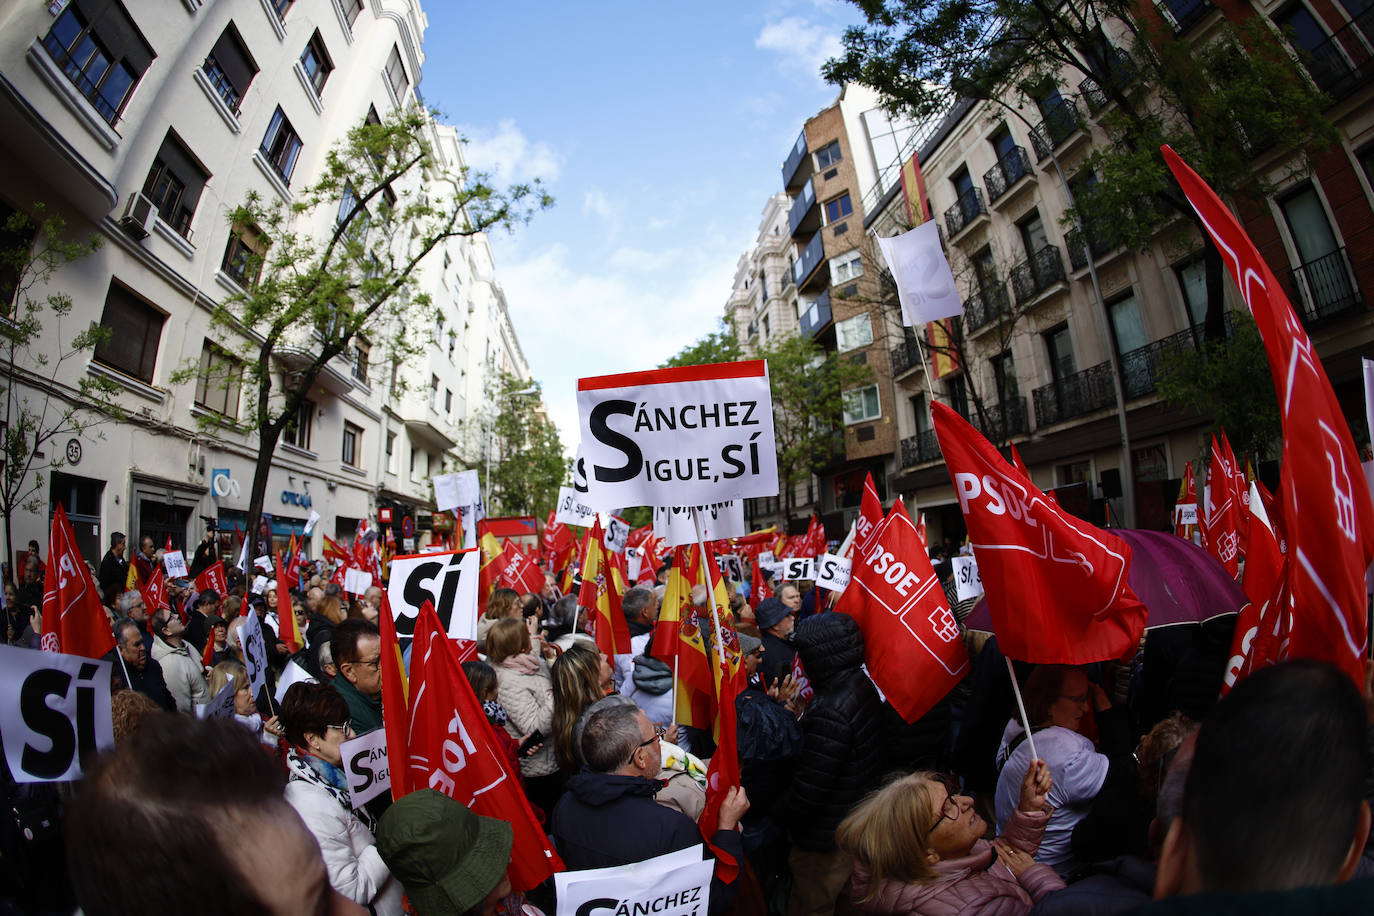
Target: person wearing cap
x=217, y=630
x=776, y=621
x=448, y=859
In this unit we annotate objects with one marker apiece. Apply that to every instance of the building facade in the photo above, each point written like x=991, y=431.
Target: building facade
x=144, y=125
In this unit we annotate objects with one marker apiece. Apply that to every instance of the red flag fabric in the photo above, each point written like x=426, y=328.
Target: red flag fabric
x=1327, y=514
x=723, y=773
x=649, y=562
x=1187, y=496
x=870, y=518
x=73, y=619
x=154, y=591
x=1240, y=494
x=1055, y=584
x=675, y=607
x=288, y=628
x=558, y=543
x=639, y=535
x=921, y=533
x=213, y=578
x=759, y=589
x=1264, y=561
x=912, y=643
x=815, y=541
x=602, y=588
x=493, y=555
x=1221, y=522
x=520, y=572
x=1018, y=463
x=333, y=550
x=756, y=542
x=289, y=575
x=395, y=699
x=207, y=655
x=451, y=748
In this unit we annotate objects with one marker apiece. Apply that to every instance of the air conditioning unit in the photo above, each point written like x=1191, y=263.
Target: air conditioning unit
x=138, y=217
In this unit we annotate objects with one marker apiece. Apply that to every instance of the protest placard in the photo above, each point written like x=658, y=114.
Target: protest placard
x=292, y=674
x=254, y=653
x=221, y=705
x=356, y=581
x=1185, y=514
x=797, y=568
x=832, y=572
x=730, y=566
x=678, y=437
x=571, y=510
x=676, y=884
x=174, y=561
x=54, y=710
x=365, y=762
x=634, y=560
x=617, y=533
x=446, y=492
x=265, y=564
x=967, y=582
x=446, y=580
x=718, y=521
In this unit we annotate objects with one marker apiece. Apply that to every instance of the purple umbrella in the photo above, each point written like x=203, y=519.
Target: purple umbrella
x=1177, y=580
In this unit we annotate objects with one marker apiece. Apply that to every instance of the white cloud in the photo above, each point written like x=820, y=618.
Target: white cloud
x=508, y=155
x=801, y=45
x=629, y=311
x=595, y=203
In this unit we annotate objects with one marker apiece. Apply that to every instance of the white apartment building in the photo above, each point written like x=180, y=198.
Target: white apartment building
x=145, y=123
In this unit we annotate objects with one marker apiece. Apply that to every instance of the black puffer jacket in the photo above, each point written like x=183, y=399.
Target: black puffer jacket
x=840, y=759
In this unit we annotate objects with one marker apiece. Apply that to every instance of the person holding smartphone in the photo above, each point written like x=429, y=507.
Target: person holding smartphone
x=525, y=689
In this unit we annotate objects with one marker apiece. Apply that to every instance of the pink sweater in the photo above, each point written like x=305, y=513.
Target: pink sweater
x=976, y=883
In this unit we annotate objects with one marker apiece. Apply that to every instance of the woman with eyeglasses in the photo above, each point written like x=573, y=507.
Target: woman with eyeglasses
x=315, y=719
x=918, y=847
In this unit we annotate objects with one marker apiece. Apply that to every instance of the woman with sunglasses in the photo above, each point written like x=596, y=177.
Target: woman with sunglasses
x=315, y=719
x=918, y=847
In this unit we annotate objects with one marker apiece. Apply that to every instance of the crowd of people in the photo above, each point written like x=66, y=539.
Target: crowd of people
x=1136, y=786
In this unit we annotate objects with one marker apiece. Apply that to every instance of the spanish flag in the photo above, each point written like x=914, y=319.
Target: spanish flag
x=286, y=615
x=395, y=702
x=490, y=570
x=603, y=584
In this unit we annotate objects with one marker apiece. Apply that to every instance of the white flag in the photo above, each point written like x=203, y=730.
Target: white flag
x=925, y=284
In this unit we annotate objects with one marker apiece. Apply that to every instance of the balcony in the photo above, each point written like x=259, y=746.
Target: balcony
x=1325, y=288
x=985, y=306
x=798, y=167
x=105, y=105
x=805, y=216
x=1010, y=169
x=1061, y=122
x=1184, y=14
x=1004, y=420
x=921, y=448
x=753, y=330
x=1078, y=252
x=966, y=209
x=905, y=357
x=219, y=81
x=1074, y=396
x=1343, y=63
x=1037, y=273
x=816, y=316
x=812, y=258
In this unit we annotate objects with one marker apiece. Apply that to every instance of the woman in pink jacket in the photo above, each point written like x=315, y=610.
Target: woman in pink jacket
x=918, y=848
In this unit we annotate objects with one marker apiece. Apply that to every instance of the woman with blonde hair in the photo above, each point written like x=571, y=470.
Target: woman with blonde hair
x=503, y=603
x=918, y=847
x=525, y=689
x=581, y=676
x=245, y=709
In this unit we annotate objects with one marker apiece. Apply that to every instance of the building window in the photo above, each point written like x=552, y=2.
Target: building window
x=347, y=201
x=362, y=352
x=846, y=267
x=861, y=404
x=1322, y=274
x=452, y=343
x=391, y=453
x=174, y=184
x=1128, y=331
x=352, y=445
x=1004, y=376
x=853, y=333
x=316, y=63
x=1032, y=230
x=135, y=328
x=1059, y=348
x=448, y=401
x=838, y=208
x=956, y=389
x=229, y=68
x=434, y=392
x=101, y=51
x=396, y=74
x=281, y=145
x=244, y=254
x=219, y=381
x=298, y=431
x=351, y=10
x=1192, y=282
x=282, y=6
x=828, y=155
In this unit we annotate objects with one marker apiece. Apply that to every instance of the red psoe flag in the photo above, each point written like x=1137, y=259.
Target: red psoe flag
x=213, y=578
x=759, y=589
x=1055, y=584
x=912, y=644
x=649, y=562
x=73, y=618
x=1221, y=521
x=1019, y=463
x=154, y=591
x=815, y=541
x=869, y=519
x=1187, y=496
x=520, y=572
x=1264, y=562
x=452, y=749
x=1327, y=514
x=723, y=773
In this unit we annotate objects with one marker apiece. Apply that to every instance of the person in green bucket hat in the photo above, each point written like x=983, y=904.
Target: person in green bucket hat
x=448, y=859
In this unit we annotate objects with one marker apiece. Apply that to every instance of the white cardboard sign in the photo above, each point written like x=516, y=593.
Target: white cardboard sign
x=718, y=521
x=292, y=674
x=617, y=533
x=796, y=568
x=356, y=581
x=446, y=492
x=221, y=706
x=446, y=580
x=682, y=436
x=925, y=284
x=967, y=582
x=571, y=510
x=730, y=566
x=311, y=522
x=676, y=884
x=832, y=572
x=634, y=560
x=254, y=653
x=54, y=710
x=1185, y=514
x=365, y=763
x=174, y=561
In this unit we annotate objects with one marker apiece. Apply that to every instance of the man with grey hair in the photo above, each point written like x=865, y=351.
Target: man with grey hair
x=131, y=607
x=641, y=612
x=133, y=668
x=608, y=815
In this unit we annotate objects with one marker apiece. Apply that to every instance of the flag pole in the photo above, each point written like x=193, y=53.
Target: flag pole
x=710, y=589
x=1021, y=705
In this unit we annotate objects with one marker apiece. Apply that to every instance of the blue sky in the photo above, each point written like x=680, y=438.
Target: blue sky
x=660, y=128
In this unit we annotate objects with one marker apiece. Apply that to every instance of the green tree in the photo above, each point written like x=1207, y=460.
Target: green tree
x=39, y=411
x=808, y=386
x=532, y=464
x=386, y=202
x=719, y=346
x=1218, y=103
x=1230, y=383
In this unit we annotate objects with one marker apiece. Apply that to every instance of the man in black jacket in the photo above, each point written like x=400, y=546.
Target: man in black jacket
x=114, y=569
x=144, y=673
x=608, y=816
x=776, y=621
x=839, y=763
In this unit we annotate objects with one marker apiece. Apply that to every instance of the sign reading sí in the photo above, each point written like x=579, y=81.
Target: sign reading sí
x=673, y=437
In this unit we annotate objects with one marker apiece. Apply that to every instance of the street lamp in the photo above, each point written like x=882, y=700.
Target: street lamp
x=490, y=428
x=973, y=90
